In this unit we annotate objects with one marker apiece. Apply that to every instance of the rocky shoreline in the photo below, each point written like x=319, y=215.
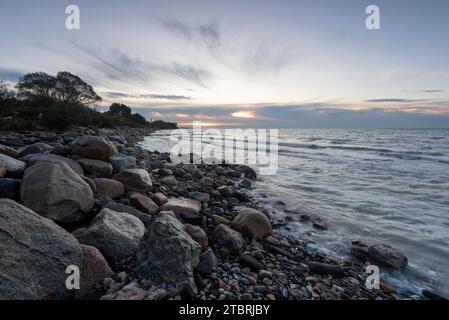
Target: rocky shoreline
x=141, y=228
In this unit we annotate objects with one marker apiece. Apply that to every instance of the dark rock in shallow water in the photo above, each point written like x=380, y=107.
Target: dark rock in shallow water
x=325, y=268
x=377, y=252
x=167, y=251
x=248, y=260
x=35, y=253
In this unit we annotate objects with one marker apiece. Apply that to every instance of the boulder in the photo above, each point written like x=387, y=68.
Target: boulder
x=35, y=253
x=119, y=207
x=229, y=239
x=97, y=168
x=53, y=158
x=167, y=251
x=377, y=252
x=252, y=222
x=62, y=195
x=94, y=270
x=2, y=169
x=208, y=262
x=135, y=180
x=117, y=235
x=183, y=208
x=8, y=151
x=143, y=203
x=92, y=147
x=169, y=181
x=198, y=234
x=121, y=162
x=112, y=188
x=10, y=188
x=189, y=167
x=14, y=167
x=31, y=149
x=249, y=261
x=159, y=198
x=200, y=196
x=226, y=191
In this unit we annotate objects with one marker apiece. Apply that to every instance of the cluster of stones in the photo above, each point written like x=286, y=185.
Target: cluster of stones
x=140, y=227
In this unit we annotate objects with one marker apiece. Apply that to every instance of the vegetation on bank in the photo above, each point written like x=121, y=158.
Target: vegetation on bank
x=42, y=101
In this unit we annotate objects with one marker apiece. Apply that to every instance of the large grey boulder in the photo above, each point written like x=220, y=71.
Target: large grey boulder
x=183, y=207
x=53, y=158
x=116, y=234
x=92, y=147
x=379, y=253
x=167, y=251
x=35, y=253
x=252, y=222
x=14, y=167
x=56, y=192
x=97, y=168
x=135, y=180
x=112, y=188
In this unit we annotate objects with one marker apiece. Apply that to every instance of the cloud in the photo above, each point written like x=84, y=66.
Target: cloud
x=170, y=97
x=190, y=73
x=179, y=28
x=207, y=34
x=425, y=91
x=116, y=64
x=166, y=97
x=266, y=58
x=395, y=100
x=119, y=65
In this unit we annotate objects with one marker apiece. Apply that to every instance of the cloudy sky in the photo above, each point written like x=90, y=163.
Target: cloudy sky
x=251, y=63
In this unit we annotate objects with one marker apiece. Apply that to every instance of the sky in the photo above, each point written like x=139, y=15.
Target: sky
x=246, y=63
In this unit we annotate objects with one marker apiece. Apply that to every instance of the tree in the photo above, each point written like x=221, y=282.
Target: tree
x=37, y=86
x=6, y=95
x=65, y=87
x=138, y=119
x=72, y=89
x=120, y=110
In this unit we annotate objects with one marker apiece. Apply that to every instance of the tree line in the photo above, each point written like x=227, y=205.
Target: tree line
x=59, y=102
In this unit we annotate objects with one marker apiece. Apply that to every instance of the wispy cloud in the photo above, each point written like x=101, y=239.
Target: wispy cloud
x=119, y=65
x=425, y=91
x=395, y=100
x=190, y=73
x=206, y=34
x=266, y=58
x=169, y=97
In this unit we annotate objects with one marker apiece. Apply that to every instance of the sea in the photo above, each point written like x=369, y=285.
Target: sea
x=389, y=185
